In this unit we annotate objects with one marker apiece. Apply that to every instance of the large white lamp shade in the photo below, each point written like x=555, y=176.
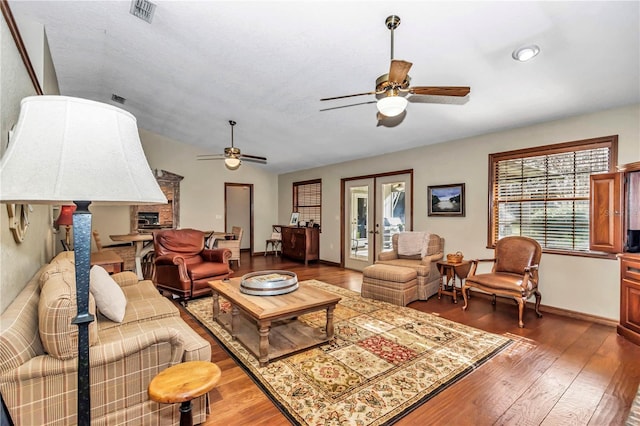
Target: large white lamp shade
x=65, y=149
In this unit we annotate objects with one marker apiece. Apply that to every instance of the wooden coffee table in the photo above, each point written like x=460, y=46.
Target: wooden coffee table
x=267, y=325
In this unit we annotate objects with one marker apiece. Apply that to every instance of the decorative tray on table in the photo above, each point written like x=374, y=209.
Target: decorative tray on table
x=268, y=283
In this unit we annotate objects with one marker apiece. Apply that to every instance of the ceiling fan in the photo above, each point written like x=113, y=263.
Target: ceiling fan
x=232, y=156
x=393, y=85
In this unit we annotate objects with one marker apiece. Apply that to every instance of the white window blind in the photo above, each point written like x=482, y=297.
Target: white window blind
x=544, y=193
x=307, y=200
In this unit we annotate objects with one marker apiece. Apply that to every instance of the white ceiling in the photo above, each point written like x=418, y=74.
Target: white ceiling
x=266, y=65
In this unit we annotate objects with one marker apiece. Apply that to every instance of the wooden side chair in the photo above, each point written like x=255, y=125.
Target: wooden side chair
x=233, y=245
x=96, y=239
x=514, y=273
x=275, y=242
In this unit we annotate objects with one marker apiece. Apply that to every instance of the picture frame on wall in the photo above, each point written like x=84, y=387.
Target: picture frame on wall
x=294, y=219
x=446, y=200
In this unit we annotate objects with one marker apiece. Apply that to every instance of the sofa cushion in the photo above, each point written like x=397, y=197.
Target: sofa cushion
x=144, y=303
x=194, y=346
x=110, y=299
x=421, y=269
x=202, y=270
x=56, y=309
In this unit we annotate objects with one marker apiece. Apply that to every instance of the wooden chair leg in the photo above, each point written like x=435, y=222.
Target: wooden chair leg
x=465, y=296
x=521, y=303
x=538, y=298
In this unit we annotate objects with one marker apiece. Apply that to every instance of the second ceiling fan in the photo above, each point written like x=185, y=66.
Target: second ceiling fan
x=393, y=85
x=233, y=156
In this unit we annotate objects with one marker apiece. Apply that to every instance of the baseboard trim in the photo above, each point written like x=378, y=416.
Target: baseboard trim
x=556, y=311
x=326, y=262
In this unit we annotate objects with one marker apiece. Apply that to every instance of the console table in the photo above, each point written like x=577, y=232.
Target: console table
x=301, y=243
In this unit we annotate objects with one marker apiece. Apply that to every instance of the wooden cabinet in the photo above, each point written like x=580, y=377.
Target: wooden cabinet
x=615, y=228
x=606, y=213
x=301, y=243
x=629, y=326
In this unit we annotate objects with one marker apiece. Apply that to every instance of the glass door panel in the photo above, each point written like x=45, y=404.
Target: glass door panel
x=359, y=236
x=393, y=213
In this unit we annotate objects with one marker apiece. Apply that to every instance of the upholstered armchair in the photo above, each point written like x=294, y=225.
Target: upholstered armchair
x=184, y=266
x=514, y=273
x=424, y=262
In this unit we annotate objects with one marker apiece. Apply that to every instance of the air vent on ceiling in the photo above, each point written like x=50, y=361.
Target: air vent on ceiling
x=118, y=99
x=143, y=9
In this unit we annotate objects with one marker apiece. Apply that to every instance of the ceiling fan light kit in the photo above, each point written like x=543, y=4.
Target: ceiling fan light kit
x=232, y=163
x=526, y=53
x=390, y=106
x=397, y=81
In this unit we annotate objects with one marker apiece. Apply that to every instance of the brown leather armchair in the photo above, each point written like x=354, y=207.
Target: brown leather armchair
x=184, y=266
x=514, y=273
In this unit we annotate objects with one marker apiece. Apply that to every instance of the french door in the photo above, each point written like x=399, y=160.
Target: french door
x=375, y=208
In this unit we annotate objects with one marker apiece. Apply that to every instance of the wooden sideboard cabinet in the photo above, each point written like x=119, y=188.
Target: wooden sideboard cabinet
x=301, y=243
x=615, y=228
x=629, y=326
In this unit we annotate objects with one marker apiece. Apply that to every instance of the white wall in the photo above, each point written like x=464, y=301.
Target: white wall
x=201, y=190
x=580, y=284
x=18, y=262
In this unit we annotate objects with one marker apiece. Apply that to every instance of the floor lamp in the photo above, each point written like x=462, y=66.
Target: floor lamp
x=74, y=150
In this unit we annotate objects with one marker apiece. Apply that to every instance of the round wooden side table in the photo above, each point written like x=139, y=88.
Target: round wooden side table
x=182, y=383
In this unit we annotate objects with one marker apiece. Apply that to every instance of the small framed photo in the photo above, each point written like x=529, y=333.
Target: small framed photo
x=294, y=219
x=446, y=200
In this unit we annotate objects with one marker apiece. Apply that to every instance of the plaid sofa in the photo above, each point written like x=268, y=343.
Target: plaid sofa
x=426, y=268
x=38, y=353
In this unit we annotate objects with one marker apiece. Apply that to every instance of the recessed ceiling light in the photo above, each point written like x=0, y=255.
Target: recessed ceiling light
x=525, y=53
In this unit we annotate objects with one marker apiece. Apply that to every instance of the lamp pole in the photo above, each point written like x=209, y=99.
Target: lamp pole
x=82, y=248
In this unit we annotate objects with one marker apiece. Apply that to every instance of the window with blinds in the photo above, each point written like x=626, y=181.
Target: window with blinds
x=307, y=200
x=543, y=193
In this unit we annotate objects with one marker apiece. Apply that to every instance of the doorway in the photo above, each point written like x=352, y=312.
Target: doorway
x=238, y=211
x=374, y=209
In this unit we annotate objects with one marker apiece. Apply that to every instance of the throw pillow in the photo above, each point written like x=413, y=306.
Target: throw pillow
x=110, y=299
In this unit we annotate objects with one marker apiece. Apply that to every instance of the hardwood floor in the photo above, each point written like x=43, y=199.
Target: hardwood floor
x=561, y=371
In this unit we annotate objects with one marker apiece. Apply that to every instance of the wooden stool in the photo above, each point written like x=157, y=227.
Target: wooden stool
x=182, y=383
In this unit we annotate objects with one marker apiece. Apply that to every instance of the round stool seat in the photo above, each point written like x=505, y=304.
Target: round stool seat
x=182, y=383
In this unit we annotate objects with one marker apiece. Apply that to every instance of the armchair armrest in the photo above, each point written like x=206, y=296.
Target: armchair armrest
x=432, y=258
x=218, y=255
x=169, y=259
x=174, y=260
x=388, y=255
x=46, y=365
x=474, y=265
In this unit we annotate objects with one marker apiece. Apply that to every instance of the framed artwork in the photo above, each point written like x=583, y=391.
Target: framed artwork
x=446, y=200
x=294, y=219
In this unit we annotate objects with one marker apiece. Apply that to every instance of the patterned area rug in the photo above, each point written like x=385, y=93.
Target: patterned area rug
x=634, y=413
x=385, y=361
